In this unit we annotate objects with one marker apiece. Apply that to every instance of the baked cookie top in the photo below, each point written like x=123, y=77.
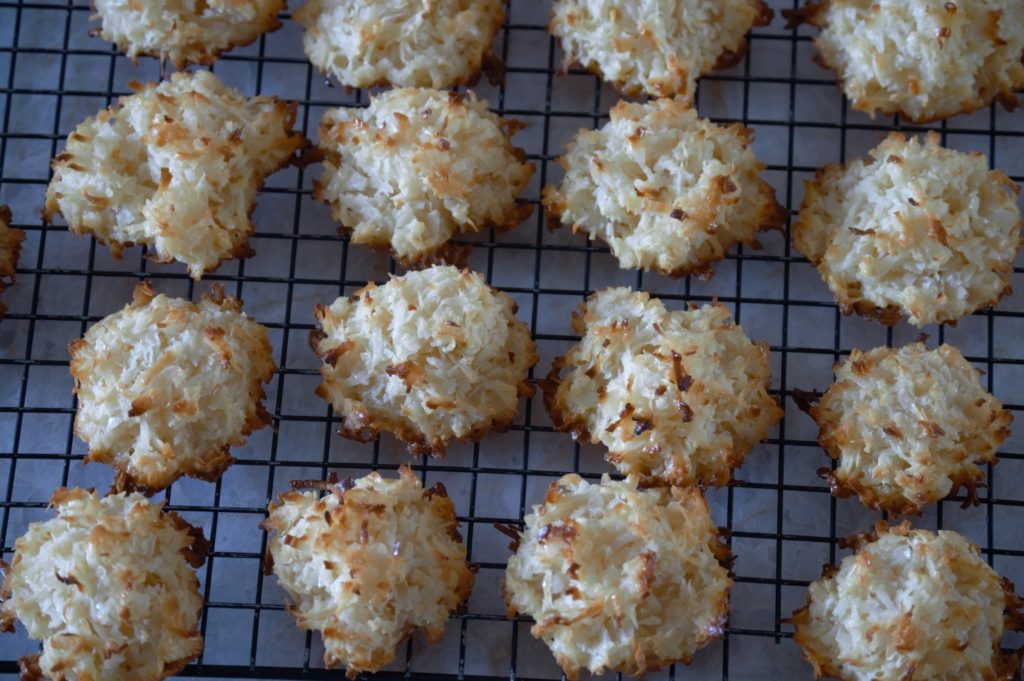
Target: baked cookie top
x=909, y=605
x=433, y=356
x=908, y=427
x=441, y=43
x=678, y=397
x=619, y=578
x=109, y=588
x=368, y=562
x=924, y=59
x=185, y=31
x=166, y=387
x=914, y=229
x=10, y=249
x=667, y=190
x=175, y=167
x=655, y=47
x=417, y=168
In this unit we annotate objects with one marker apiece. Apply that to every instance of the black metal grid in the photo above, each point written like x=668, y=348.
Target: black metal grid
x=782, y=521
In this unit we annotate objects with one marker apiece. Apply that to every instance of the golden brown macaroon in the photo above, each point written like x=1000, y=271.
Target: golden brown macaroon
x=655, y=47
x=185, y=32
x=677, y=397
x=908, y=427
x=175, y=167
x=367, y=563
x=109, y=587
x=667, y=190
x=166, y=387
x=924, y=59
x=10, y=249
x=909, y=605
x=619, y=578
x=433, y=356
x=914, y=229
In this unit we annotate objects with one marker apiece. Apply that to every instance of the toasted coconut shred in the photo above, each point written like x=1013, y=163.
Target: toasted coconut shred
x=925, y=59
x=910, y=605
x=915, y=229
x=418, y=167
x=667, y=190
x=166, y=386
x=655, y=47
x=109, y=588
x=368, y=563
x=175, y=167
x=441, y=43
x=677, y=397
x=909, y=427
x=185, y=31
x=433, y=356
x=10, y=249
x=618, y=578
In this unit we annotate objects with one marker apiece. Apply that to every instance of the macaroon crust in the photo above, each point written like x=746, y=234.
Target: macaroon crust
x=913, y=230
x=667, y=190
x=419, y=167
x=677, y=397
x=175, y=167
x=166, y=387
x=908, y=427
x=109, y=587
x=368, y=562
x=619, y=578
x=10, y=250
x=645, y=47
x=185, y=32
x=433, y=356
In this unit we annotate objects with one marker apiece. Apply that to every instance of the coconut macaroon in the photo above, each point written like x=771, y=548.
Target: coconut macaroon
x=618, y=578
x=909, y=605
x=175, y=167
x=418, y=167
x=166, y=387
x=109, y=588
x=667, y=190
x=924, y=59
x=441, y=43
x=433, y=356
x=367, y=563
x=914, y=229
x=677, y=397
x=908, y=427
x=185, y=31
x=655, y=47
x=10, y=249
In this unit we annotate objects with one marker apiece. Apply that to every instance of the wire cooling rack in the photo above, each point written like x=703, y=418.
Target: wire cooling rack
x=783, y=524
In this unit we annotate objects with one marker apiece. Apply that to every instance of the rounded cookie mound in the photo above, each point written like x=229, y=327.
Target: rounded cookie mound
x=185, y=31
x=915, y=229
x=433, y=356
x=418, y=167
x=680, y=397
x=367, y=563
x=655, y=47
x=10, y=249
x=924, y=59
x=441, y=43
x=166, y=386
x=618, y=578
x=108, y=588
x=175, y=167
x=667, y=190
x=910, y=605
x=909, y=427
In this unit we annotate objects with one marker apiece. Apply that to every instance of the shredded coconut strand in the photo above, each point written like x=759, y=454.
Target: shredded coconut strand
x=915, y=229
x=618, y=578
x=367, y=563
